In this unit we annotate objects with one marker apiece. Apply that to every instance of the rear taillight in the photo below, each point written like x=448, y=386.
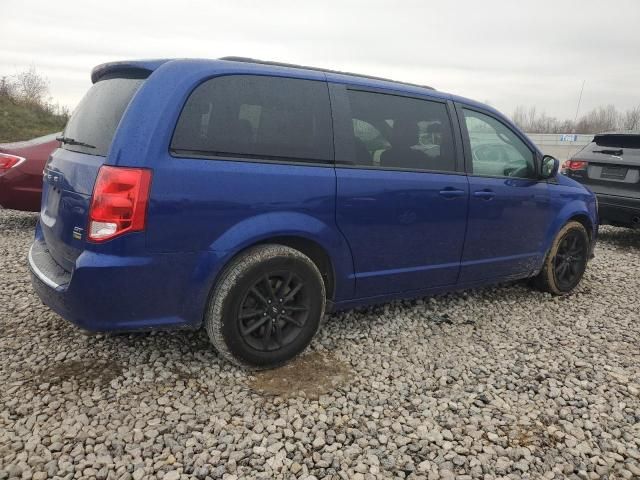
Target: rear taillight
x=575, y=165
x=119, y=202
x=8, y=161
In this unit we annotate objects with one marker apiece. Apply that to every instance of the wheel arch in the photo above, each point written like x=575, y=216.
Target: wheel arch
x=311, y=249
x=586, y=222
x=573, y=211
x=318, y=240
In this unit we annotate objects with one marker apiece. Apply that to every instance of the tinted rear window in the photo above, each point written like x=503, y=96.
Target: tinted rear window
x=617, y=141
x=257, y=117
x=96, y=118
x=398, y=132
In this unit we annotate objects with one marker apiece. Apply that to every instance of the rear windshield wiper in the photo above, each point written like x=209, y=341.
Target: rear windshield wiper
x=609, y=152
x=72, y=141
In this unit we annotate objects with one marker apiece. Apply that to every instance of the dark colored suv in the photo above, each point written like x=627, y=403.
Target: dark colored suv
x=610, y=167
x=251, y=197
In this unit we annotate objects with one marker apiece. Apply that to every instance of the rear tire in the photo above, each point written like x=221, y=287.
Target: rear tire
x=566, y=261
x=266, y=307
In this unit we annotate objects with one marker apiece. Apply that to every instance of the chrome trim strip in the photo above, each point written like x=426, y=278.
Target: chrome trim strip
x=39, y=273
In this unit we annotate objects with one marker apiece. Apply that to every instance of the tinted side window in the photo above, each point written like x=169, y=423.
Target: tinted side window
x=497, y=151
x=398, y=132
x=96, y=118
x=257, y=116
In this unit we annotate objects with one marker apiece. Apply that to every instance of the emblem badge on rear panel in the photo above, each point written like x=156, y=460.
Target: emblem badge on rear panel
x=77, y=233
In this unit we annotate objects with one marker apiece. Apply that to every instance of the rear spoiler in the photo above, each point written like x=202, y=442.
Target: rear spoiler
x=135, y=69
x=617, y=140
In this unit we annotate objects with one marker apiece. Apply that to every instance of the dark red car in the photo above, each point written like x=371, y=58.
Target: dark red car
x=21, y=166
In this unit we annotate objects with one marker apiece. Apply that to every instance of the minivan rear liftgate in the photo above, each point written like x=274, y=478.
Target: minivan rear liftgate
x=71, y=172
x=85, y=201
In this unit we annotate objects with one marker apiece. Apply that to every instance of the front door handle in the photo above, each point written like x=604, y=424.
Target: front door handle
x=485, y=194
x=450, y=192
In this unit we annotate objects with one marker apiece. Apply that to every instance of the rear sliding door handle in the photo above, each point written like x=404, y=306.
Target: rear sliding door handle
x=450, y=192
x=485, y=194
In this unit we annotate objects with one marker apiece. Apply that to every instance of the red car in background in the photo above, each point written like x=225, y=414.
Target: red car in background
x=21, y=166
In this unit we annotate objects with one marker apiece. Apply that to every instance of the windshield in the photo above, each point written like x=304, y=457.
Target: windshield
x=93, y=124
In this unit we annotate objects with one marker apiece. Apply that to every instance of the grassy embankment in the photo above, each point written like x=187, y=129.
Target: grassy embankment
x=21, y=121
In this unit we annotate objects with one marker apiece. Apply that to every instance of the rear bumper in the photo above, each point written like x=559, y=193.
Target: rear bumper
x=113, y=293
x=622, y=211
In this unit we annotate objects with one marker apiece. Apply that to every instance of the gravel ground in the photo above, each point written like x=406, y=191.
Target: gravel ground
x=502, y=382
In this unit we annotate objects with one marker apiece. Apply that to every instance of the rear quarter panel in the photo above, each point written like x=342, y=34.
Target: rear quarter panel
x=219, y=207
x=37, y=156
x=22, y=185
x=225, y=206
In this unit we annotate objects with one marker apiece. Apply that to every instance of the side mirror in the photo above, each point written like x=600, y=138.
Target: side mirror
x=550, y=166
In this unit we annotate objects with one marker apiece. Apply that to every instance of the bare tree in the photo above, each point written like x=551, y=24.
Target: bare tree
x=32, y=87
x=533, y=122
x=7, y=87
x=519, y=117
x=598, y=120
x=58, y=110
x=601, y=119
x=631, y=119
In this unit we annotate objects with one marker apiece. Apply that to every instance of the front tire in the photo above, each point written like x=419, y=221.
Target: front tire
x=566, y=261
x=266, y=307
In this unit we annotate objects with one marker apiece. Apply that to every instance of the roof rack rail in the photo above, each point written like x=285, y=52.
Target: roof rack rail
x=293, y=65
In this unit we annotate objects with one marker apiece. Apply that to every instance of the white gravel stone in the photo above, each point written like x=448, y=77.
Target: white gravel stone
x=502, y=382
x=172, y=475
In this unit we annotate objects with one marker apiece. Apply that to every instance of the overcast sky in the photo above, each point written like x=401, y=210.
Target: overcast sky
x=507, y=53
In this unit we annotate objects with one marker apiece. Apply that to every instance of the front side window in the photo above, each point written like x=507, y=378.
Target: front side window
x=399, y=132
x=257, y=117
x=496, y=151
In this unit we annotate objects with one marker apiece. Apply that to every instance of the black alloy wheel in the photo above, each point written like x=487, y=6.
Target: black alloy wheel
x=266, y=307
x=570, y=259
x=273, y=311
x=566, y=260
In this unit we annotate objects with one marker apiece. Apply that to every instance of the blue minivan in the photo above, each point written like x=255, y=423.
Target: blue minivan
x=252, y=197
